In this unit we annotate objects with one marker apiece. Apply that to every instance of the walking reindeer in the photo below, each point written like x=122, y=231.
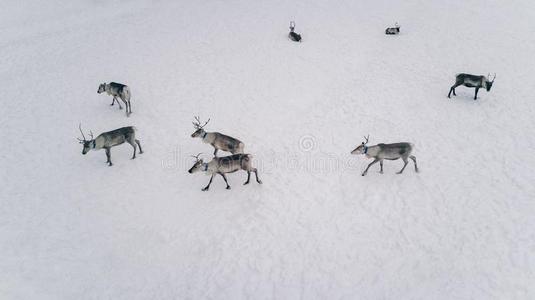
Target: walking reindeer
x=381, y=152
x=117, y=90
x=292, y=35
x=110, y=139
x=217, y=140
x=475, y=81
x=224, y=165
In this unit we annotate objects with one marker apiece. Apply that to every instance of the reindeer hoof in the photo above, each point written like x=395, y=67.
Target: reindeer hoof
x=259, y=181
x=110, y=164
x=204, y=189
x=245, y=183
x=140, y=152
x=228, y=187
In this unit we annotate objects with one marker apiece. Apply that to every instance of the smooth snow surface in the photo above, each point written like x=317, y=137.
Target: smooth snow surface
x=462, y=228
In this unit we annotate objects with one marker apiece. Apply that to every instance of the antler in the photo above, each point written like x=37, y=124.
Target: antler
x=197, y=123
x=196, y=156
x=366, y=138
x=83, y=136
x=90, y=133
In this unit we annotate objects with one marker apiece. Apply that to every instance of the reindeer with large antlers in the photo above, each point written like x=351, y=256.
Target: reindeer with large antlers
x=224, y=165
x=381, y=152
x=217, y=140
x=110, y=139
x=474, y=81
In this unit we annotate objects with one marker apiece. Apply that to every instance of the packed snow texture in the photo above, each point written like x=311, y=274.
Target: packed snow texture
x=73, y=228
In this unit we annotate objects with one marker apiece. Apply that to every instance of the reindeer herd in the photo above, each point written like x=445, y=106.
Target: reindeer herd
x=240, y=160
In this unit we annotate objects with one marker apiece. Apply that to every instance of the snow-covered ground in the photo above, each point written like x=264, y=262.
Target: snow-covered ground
x=462, y=228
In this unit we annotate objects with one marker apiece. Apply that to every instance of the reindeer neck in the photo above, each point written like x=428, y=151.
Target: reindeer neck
x=207, y=137
x=371, y=151
x=209, y=167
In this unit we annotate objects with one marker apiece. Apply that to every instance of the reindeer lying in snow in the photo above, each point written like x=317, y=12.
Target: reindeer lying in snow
x=217, y=140
x=393, y=30
x=381, y=152
x=292, y=35
x=223, y=165
x=110, y=139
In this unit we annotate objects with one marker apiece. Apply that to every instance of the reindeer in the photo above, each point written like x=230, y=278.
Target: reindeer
x=217, y=140
x=223, y=165
x=292, y=35
x=117, y=90
x=110, y=139
x=474, y=81
x=381, y=152
x=393, y=30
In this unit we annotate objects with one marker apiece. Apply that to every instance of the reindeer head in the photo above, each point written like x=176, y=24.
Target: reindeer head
x=87, y=143
x=101, y=88
x=199, y=129
x=292, y=26
x=488, y=82
x=197, y=165
x=361, y=149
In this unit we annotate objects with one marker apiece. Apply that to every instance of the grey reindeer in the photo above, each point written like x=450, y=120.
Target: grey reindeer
x=224, y=165
x=474, y=81
x=117, y=90
x=217, y=140
x=293, y=35
x=110, y=139
x=381, y=152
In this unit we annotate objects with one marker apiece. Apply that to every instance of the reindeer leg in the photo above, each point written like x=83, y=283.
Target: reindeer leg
x=406, y=161
x=452, y=89
x=381, y=163
x=133, y=144
x=115, y=98
x=215, y=152
x=475, y=96
x=112, y=101
x=126, y=105
x=208, y=186
x=414, y=160
x=373, y=162
x=256, y=174
x=225, y=177
x=248, y=177
x=139, y=145
x=108, y=156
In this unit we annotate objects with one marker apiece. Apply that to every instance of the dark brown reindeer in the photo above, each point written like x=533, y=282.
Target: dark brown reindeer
x=110, y=139
x=224, y=165
x=473, y=81
x=381, y=152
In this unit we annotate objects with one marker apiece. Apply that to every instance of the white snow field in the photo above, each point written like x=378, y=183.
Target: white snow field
x=73, y=228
